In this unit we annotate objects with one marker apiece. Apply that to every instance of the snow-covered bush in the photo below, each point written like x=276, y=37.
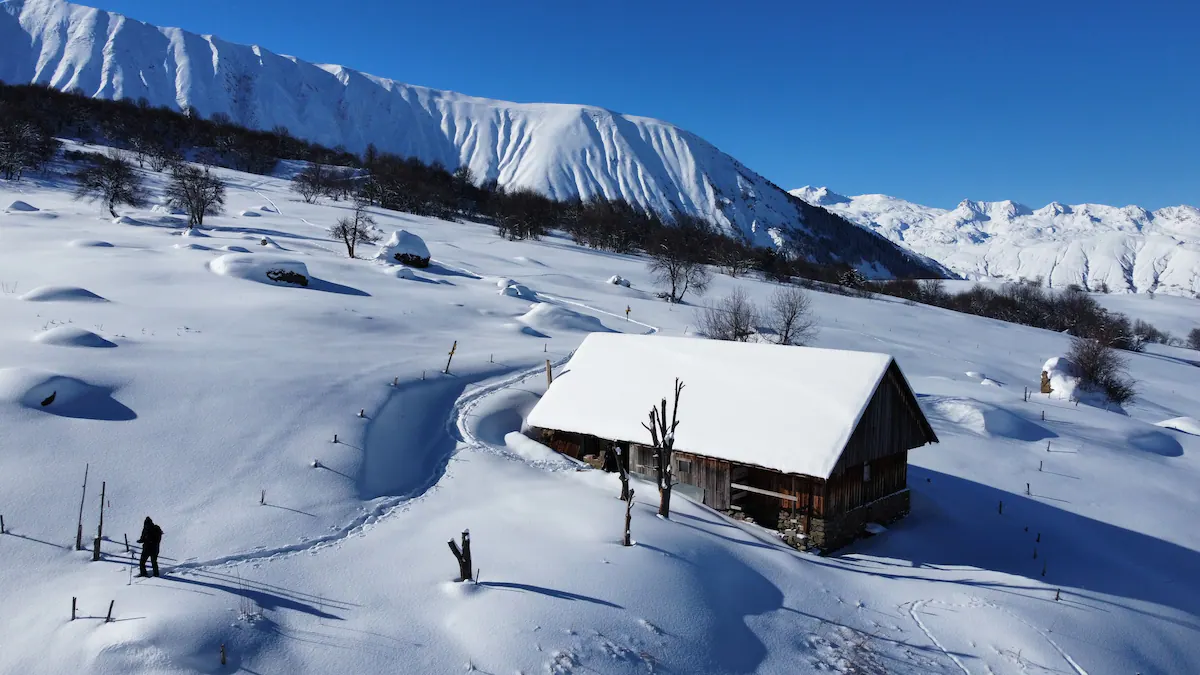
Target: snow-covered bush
x=1102, y=369
x=405, y=248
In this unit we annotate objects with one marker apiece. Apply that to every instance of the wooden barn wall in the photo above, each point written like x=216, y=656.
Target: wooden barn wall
x=711, y=475
x=848, y=490
x=888, y=426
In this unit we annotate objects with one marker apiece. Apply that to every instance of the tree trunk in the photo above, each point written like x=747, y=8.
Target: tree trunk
x=463, y=555
x=628, y=516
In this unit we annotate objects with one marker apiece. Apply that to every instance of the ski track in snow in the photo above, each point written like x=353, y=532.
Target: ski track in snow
x=456, y=426
x=912, y=611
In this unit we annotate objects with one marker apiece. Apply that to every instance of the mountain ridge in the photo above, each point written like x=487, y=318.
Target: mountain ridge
x=561, y=150
x=1127, y=248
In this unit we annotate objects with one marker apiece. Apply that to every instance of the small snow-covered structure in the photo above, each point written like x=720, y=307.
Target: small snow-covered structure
x=405, y=248
x=1060, y=378
x=813, y=442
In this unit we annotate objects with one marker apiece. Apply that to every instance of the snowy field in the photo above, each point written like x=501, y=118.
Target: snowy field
x=195, y=387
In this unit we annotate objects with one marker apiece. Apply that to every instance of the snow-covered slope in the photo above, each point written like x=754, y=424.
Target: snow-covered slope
x=1127, y=248
x=559, y=150
x=224, y=385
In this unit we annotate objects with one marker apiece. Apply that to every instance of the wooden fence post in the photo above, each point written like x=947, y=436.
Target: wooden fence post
x=96, y=550
x=453, y=349
x=82, y=499
x=1, y=524
x=222, y=653
x=73, y=602
x=108, y=618
x=127, y=543
x=100, y=527
x=549, y=376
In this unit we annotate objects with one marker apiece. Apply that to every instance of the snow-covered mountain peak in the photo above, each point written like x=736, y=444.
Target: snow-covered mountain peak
x=1125, y=248
x=820, y=196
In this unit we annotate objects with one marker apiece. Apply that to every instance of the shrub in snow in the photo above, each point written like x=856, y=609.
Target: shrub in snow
x=111, y=181
x=405, y=248
x=1194, y=338
x=1102, y=369
x=618, y=280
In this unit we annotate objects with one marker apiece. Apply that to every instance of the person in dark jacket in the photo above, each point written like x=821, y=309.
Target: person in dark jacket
x=150, y=540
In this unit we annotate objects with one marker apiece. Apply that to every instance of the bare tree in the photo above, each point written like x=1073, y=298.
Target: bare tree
x=1194, y=338
x=614, y=455
x=355, y=229
x=734, y=318
x=628, y=540
x=790, y=317
x=677, y=262
x=197, y=191
x=312, y=182
x=112, y=180
x=1102, y=369
x=463, y=555
x=662, y=437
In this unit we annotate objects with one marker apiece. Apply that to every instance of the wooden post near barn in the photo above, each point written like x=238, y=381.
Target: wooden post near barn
x=549, y=375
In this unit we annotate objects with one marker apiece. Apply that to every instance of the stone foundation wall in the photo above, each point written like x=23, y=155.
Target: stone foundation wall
x=828, y=534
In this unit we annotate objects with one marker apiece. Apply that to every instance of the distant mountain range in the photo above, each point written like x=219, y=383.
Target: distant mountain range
x=1127, y=249
x=559, y=150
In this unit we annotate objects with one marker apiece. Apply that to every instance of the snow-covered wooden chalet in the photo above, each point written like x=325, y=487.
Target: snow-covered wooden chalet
x=813, y=442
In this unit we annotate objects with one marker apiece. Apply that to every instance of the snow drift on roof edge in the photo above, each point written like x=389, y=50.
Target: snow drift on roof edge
x=559, y=150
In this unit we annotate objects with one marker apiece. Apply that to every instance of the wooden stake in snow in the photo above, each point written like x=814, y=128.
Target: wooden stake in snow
x=222, y=654
x=1039, y=465
x=1001, y=510
x=628, y=516
x=74, y=600
x=1039, y=538
x=1, y=524
x=100, y=527
x=362, y=412
x=463, y=555
x=1057, y=594
x=549, y=375
x=1043, y=415
x=96, y=549
x=262, y=498
x=1027, y=489
x=108, y=618
x=127, y=543
x=453, y=348
x=82, y=499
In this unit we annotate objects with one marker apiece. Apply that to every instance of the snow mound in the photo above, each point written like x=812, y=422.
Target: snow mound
x=250, y=213
x=984, y=419
x=266, y=209
x=1188, y=425
x=1064, y=377
x=546, y=317
x=405, y=248
x=528, y=261
x=402, y=272
x=169, y=210
x=60, y=395
x=22, y=207
x=264, y=269
x=618, y=280
x=519, y=291
x=269, y=243
x=72, y=336
x=61, y=294
x=235, y=249
x=504, y=283
x=193, y=247
x=126, y=220
x=193, y=232
x=88, y=243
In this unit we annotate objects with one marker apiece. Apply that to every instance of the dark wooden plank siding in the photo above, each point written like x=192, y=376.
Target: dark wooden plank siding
x=892, y=423
x=848, y=490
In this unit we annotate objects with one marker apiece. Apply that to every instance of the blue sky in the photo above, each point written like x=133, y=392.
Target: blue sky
x=1067, y=100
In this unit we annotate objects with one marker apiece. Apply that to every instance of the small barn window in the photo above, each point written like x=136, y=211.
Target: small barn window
x=867, y=472
x=684, y=468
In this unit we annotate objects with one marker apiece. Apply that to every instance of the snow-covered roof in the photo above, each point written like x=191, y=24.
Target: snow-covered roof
x=791, y=409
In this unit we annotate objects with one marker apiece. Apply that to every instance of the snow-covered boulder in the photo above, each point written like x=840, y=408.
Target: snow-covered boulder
x=72, y=336
x=61, y=294
x=266, y=269
x=1062, y=375
x=405, y=248
x=547, y=318
x=250, y=213
x=618, y=280
x=21, y=207
x=515, y=290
